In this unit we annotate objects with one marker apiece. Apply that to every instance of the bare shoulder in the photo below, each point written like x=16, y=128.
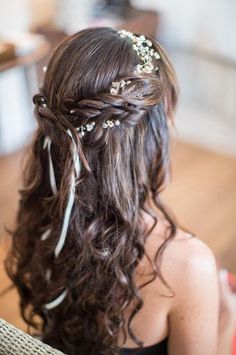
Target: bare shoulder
x=191, y=268
x=189, y=252
x=191, y=305
x=189, y=257
x=186, y=261
x=184, y=254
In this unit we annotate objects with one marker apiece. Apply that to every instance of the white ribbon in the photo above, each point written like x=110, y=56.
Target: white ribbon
x=46, y=234
x=65, y=224
x=47, y=144
x=75, y=155
x=57, y=301
x=71, y=197
x=48, y=275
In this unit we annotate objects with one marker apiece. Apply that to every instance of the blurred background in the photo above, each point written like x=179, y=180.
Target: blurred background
x=199, y=36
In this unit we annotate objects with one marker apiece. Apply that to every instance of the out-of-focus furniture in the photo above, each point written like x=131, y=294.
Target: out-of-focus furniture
x=18, y=81
x=14, y=342
x=7, y=52
x=128, y=17
x=145, y=22
x=115, y=13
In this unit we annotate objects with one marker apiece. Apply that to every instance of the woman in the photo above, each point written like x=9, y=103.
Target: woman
x=99, y=264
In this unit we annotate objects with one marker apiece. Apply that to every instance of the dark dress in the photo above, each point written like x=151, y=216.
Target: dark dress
x=156, y=349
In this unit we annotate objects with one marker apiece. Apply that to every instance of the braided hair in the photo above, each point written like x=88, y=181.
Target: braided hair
x=79, y=233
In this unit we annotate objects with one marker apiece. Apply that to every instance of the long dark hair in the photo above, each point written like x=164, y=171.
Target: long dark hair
x=121, y=168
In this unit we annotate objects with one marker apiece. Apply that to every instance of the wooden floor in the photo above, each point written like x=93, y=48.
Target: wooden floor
x=202, y=196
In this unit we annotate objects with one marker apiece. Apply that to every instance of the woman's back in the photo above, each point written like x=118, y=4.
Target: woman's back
x=157, y=324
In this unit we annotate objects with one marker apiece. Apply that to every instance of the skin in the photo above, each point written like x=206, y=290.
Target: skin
x=227, y=327
x=191, y=318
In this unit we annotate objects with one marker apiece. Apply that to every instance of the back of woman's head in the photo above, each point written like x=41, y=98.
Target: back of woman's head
x=100, y=152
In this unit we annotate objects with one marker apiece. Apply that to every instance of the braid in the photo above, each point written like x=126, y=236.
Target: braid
x=104, y=107
x=127, y=107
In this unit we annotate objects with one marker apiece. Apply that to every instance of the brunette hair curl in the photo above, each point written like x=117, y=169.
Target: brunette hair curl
x=121, y=168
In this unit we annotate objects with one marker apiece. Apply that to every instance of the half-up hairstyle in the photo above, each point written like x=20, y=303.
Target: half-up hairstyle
x=80, y=234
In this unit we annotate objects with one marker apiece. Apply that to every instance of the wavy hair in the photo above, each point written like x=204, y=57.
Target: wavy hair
x=121, y=168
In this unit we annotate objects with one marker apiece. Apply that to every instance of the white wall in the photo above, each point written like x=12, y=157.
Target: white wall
x=207, y=24
x=207, y=110
x=21, y=15
x=14, y=16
